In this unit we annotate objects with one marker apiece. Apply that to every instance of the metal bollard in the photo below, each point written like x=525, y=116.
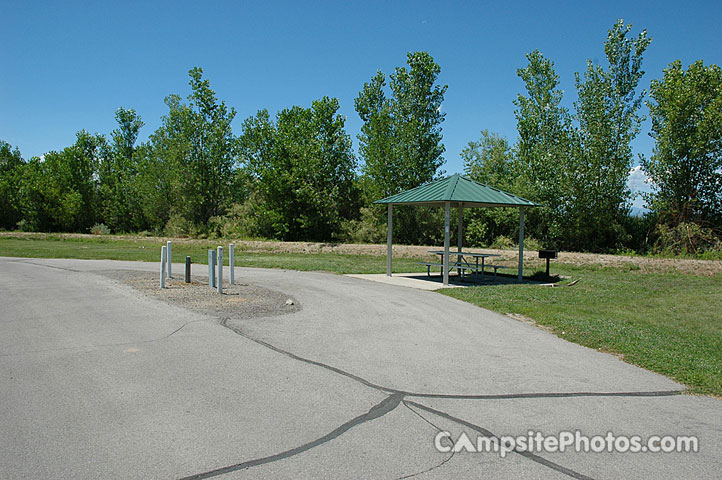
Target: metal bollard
x=188, y=270
x=170, y=259
x=162, y=266
x=212, y=268
x=231, y=263
x=219, y=280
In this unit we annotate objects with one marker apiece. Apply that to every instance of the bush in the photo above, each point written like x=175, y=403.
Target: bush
x=25, y=226
x=686, y=238
x=365, y=230
x=238, y=222
x=532, y=243
x=100, y=229
x=502, y=242
x=177, y=226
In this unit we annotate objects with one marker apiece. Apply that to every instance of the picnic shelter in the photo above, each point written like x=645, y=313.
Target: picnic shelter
x=460, y=192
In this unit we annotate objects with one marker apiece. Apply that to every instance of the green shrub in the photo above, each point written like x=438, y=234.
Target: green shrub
x=532, y=243
x=686, y=238
x=25, y=226
x=177, y=226
x=100, y=229
x=238, y=221
x=367, y=229
x=502, y=242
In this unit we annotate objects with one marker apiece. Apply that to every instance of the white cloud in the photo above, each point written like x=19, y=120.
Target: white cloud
x=638, y=182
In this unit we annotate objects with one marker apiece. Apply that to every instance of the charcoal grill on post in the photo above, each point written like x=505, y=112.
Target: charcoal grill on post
x=548, y=255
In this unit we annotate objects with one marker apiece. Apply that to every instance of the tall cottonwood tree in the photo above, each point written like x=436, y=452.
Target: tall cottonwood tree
x=686, y=164
x=121, y=204
x=401, y=139
x=543, y=149
x=607, y=111
x=194, y=151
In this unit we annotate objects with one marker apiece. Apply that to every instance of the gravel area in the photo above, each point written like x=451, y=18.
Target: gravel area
x=241, y=300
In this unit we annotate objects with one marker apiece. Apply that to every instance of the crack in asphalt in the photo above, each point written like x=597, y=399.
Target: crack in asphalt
x=387, y=405
x=27, y=262
x=406, y=393
x=529, y=455
x=439, y=465
x=399, y=396
x=90, y=347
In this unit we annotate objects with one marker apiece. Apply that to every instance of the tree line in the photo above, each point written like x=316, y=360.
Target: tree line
x=294, y=175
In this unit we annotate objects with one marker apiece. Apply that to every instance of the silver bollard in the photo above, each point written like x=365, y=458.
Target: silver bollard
x=210, y=265
x=163, y=253
x=231, y=263
x=212, y=268
x=168, y=244
x=219, y=280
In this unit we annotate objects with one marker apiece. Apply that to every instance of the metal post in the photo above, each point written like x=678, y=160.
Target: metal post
x=520, y=275
x=170, y=259
x=231, y=263
x=212, y=268
x=219, y=279
x=389, y=239
x=163, y=251
x=188, y=270
x=447, y=207
x=460, y=233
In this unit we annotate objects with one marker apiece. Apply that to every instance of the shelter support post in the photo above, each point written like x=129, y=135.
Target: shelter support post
x=388, y=240
x=520, y=274
x=447, y=208
x=460, y=232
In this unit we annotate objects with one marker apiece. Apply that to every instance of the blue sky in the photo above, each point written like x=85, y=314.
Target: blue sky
x=68, y=65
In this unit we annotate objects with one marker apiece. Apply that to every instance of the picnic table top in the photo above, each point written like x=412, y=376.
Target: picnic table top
x=467, y=254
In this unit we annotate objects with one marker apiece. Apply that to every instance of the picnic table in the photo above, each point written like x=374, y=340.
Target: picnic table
x=462, y=263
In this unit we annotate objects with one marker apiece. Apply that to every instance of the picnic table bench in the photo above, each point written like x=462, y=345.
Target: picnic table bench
x=462, y=265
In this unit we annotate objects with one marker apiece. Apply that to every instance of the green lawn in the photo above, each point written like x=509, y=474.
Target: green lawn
x=109, y=248
x=669, y=323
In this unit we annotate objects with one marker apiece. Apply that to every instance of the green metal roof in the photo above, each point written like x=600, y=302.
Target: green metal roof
x=458, y=189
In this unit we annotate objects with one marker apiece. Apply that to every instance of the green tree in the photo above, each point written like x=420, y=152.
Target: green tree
x=11, y=167
x=194, y=152
x=543, y=149
x=609, y=119
x=489, y=160
x=120, y=203
x=686, y=164
x=303, y=167
x=376, y=140
x=60, y=191
x=401, y=139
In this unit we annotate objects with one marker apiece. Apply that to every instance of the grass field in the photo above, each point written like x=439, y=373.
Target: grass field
x=145, y=250
x=670, y=323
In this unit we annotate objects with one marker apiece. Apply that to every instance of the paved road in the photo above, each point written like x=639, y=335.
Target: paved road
x=99, y=381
